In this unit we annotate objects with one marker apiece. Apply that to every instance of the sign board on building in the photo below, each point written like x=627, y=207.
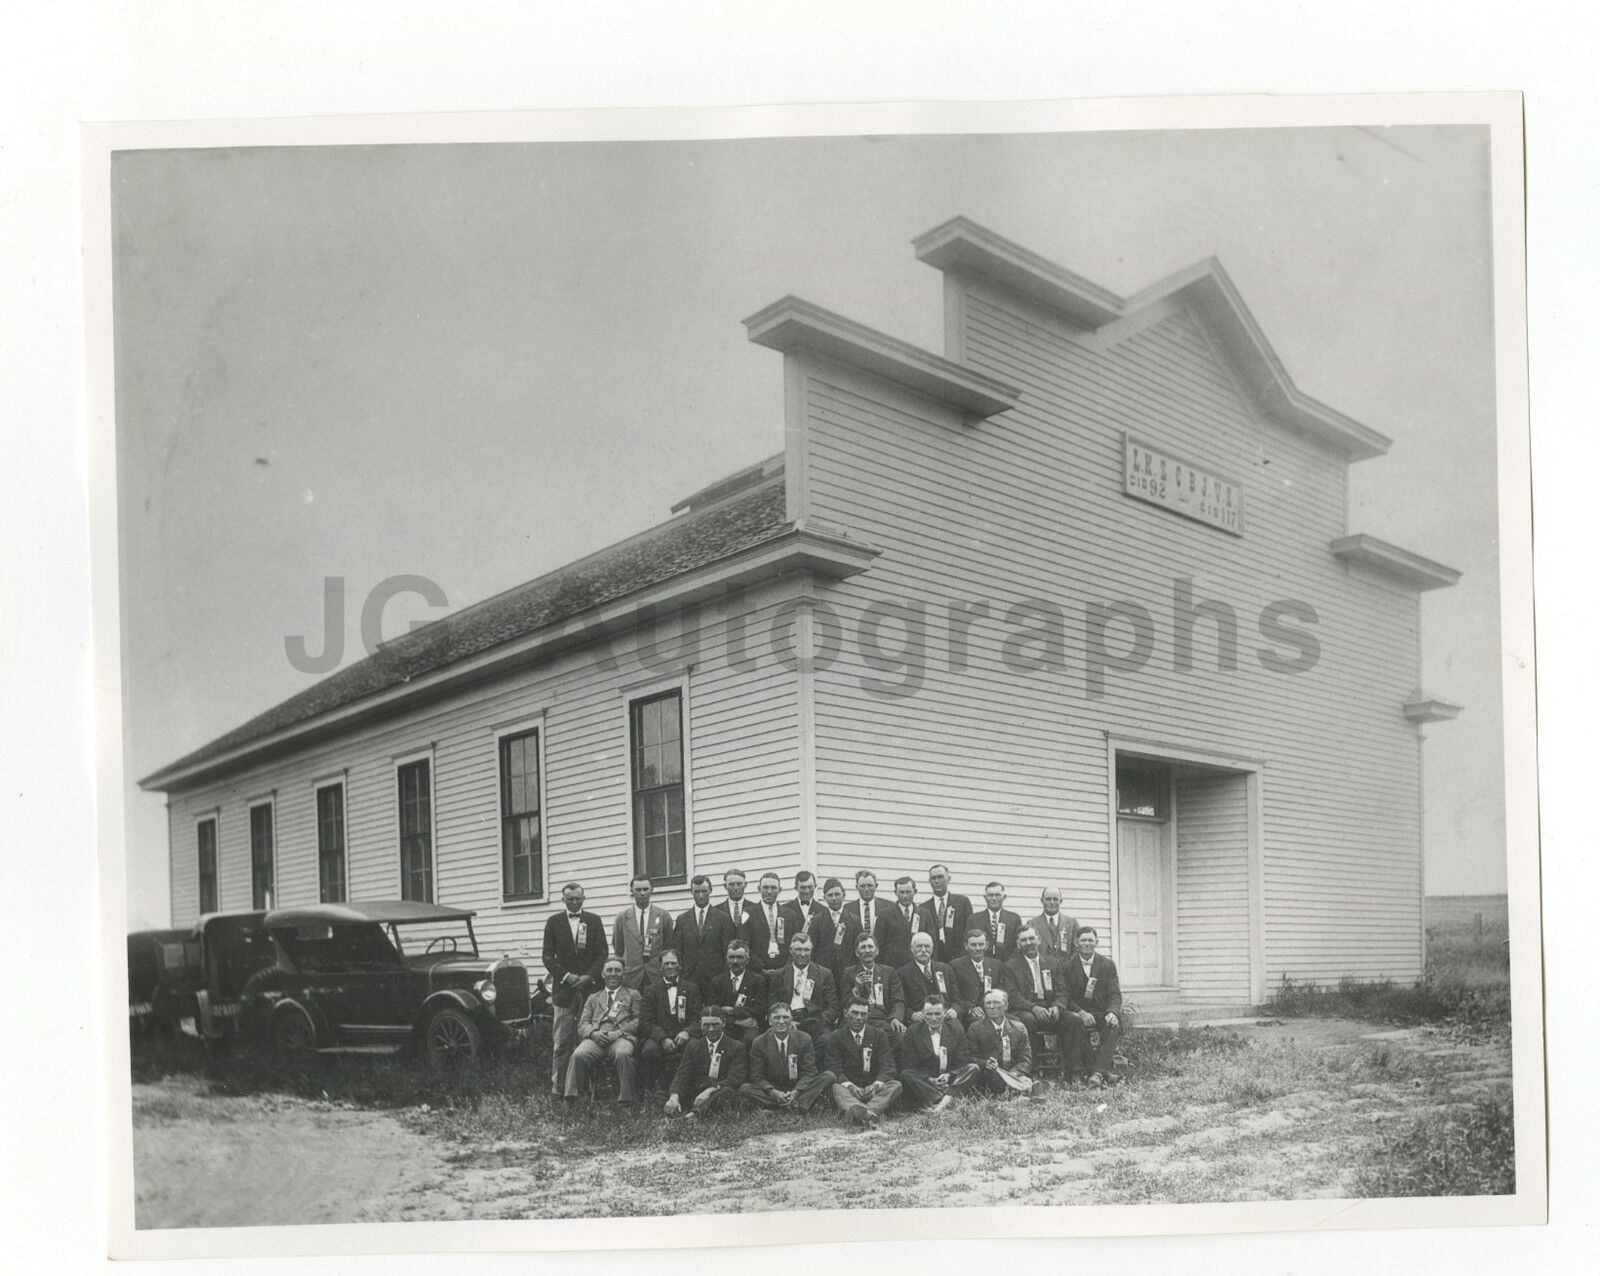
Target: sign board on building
x=1162, y=479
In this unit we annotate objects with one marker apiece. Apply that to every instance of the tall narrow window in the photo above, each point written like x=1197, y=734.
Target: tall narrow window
x=521, y=843
x=659, y=844
x=330, y=843
x=206, y=833
x=261, y=879
x=416, y=832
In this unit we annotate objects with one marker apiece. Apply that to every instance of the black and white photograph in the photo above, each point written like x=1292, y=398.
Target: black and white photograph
x=848, y=674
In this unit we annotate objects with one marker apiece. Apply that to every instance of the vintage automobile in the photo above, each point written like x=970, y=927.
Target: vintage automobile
x=199, y=995
x=369, y=978
x=158, y=963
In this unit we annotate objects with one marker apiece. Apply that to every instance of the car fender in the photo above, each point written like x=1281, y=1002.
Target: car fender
x=458, y=998
x=282, y=1005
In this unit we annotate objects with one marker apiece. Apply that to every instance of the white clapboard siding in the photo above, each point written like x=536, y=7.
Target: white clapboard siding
x=744, y=769
x=1212, y=867
x=1004, y=773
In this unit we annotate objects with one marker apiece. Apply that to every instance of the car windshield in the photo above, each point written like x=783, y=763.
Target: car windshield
x=360, y=947
x=449, y=937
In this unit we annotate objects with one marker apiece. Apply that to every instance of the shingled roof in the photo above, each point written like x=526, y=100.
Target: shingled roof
x=696, y=539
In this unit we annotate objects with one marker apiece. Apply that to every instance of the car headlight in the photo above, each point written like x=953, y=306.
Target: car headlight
x=486, y=990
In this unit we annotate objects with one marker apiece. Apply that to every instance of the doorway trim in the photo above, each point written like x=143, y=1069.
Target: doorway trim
x=1254, y=771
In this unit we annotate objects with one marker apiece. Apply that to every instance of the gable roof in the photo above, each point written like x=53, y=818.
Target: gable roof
x=962, y=247
x=696, y=539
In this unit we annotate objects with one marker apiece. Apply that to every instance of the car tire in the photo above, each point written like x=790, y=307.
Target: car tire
x=451, y=1041
x=294, y=1036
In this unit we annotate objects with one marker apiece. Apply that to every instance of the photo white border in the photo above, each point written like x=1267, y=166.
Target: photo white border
x=1500, y=112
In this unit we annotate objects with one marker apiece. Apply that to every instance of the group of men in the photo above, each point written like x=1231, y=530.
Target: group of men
x=875, y=1003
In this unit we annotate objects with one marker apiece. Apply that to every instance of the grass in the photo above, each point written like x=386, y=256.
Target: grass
x=1447, y=1153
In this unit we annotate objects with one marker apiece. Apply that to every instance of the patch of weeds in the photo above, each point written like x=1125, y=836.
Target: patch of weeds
x=1449, y=1152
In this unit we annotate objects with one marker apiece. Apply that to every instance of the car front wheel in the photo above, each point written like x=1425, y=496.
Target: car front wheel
x=451, y=1041
x=294, y=1036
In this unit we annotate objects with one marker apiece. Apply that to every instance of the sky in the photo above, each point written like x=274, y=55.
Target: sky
x=476, y=363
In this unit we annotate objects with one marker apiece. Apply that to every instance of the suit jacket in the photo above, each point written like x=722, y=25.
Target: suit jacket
x=887, y=994
x=1003, y=947
x=632, y=946
x=694, y=1069
x=767, y=1068
x=829, y=950
x=969, y=984
x=703, y=950
x=1024, y=996
x=799, y=918
x=562, y=957
x=751, y=1000
x=845, y=1059
x=917, y=1055
x=759, y=937
x=823, y=1001
x=656, y=1021
x=745, y=909
x=983, y=1042
x=889, y=928
x=1049, y=942
x=1107, y=994
x=958, y=914
x=606, y=1023
x=940, y=979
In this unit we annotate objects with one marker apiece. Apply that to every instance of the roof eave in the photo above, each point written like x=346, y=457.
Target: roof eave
x=1401, y=565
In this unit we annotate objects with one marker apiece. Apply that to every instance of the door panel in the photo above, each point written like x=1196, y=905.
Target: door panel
x=1142, y=890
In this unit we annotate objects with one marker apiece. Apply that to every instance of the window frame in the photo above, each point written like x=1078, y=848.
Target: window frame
x=270, y=805
x=401, y=764
x=318, y=788
x=634, y=696
x=534, y=726
x=214, y=818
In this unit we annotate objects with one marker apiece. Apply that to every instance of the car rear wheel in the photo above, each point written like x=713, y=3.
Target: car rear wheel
x=451, y=1041
x=294, y=1036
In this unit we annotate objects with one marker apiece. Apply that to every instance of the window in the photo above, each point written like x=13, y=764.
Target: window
x=656, y=735
x=330, y=843
x=521, y=843
x=1142, y=791
x=261, y=883
x=206, y=834
x=416, y=832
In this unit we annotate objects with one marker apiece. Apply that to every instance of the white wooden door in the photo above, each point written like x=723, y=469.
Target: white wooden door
x=1143, y=865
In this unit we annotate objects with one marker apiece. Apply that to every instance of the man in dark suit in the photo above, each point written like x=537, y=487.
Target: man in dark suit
x=999, y=923
x=1039, y=991
x=742, y=992
x=999, y=1045
x=799, y=911
x=806, y=988
x=782, y=1073
x=639, y=933
x=767, y=929
x=736, y=906
x=831, y=936
x=933, y=1058
x=976, y=975
x=702, y=935
x=861, y=1058
x=1094, y=999
x=945, y=916
x=574, y=954
x=879, y=984
x=669, y=1019
x=894, y=949
x=711, y=1071
x=923, y=975
x=870, y=915
x=1057, y=930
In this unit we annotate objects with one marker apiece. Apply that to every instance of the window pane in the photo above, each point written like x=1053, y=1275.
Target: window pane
x=671, y=755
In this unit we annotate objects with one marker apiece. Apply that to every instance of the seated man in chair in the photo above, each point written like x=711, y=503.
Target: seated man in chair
x=1094, y=1000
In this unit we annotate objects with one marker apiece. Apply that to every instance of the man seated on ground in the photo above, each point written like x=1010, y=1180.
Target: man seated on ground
x=806, y=988
x=782, y=1070
x=669, y=1017
x=1038, y=991
x=999, y=1045
x=607, y=1029
x=860, y=1056
x=1094, y=999
x=880, y=985
x=742, y=992
x=923, y=975
x=712, y=1069
x=1056, y=929
x=933, y=1058
x=976, y=975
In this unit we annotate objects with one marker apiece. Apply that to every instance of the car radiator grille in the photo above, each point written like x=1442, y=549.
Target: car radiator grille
x=511, y=993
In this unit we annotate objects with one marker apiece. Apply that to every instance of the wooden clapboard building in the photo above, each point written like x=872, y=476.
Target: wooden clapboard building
x=1075, y=603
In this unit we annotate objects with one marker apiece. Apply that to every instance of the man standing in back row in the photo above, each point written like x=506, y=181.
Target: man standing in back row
x=1056, y=930
x=702, y=935
x=639, y=935
x=999, y=923
x=574, y=954
x=945, y=916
